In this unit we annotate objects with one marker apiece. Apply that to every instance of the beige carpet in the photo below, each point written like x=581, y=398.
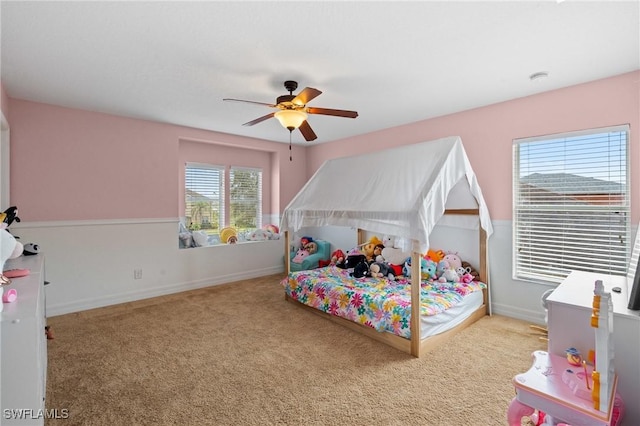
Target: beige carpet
x=239, y=354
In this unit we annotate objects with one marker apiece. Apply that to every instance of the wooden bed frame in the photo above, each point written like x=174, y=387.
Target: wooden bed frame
x=414, y=346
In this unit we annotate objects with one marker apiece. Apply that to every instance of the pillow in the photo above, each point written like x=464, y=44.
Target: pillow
x=200, y=238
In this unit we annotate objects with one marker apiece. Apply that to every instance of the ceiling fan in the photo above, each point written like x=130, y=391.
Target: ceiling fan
x=293, y=110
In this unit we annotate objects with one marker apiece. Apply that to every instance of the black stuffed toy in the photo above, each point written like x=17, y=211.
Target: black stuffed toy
x=10, y=215
x=354, y=260
x=361, y=269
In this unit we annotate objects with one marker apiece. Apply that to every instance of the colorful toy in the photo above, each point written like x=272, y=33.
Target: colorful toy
x=573, y=357
x=311, y=247
x=258, y=235
x=435, y=255
x=337, y=258
x=228, y=235
x=429, y=269
x=273, y=229
x=472, y=271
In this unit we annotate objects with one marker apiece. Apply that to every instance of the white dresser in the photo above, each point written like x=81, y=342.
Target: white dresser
x=569, y=312
x=23, y=350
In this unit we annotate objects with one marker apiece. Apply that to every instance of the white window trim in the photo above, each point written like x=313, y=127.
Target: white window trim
x=530, y=275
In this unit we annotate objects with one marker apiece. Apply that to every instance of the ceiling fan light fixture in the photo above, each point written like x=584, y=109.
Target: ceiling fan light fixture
x=290, y=118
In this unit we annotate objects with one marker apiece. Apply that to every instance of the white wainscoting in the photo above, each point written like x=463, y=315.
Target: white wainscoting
x=91, y=264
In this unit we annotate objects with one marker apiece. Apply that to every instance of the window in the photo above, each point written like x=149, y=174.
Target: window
x=208, y=208
x=245, y=198
x=204, y=197
x=571, y=204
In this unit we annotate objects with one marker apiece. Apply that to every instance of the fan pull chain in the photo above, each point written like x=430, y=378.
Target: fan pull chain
x=290, y=158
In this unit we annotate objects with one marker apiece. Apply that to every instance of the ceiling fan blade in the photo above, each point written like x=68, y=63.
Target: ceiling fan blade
x=307, y=131
x=259, y=120
x=306, y=95
x=334, y=112
x=249, y=102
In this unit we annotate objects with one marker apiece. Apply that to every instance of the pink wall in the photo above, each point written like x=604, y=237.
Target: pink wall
x=4, y=102
x=69, y=164
x=488, y=132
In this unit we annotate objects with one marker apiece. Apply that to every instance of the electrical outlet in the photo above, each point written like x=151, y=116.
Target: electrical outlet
x=137, y=274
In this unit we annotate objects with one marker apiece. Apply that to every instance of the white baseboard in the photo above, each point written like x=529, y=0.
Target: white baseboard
x=534, y=317
x=92, y=303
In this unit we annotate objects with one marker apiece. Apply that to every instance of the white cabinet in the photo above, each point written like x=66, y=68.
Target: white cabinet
x=23, y=349
x=569, y=312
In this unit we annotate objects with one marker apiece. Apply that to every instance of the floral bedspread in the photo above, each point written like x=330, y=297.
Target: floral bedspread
x=379, y=303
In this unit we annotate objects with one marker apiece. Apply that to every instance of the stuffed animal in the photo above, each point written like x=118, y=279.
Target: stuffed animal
x=425, y=268
x=440, y=268
x=429, y=269
x=304, y=241
x=301, y=255
x=228, y=235
x=10, y=248
x=394, y=256
x=449, y=276
x=435, y=255
x=337, y=258
x=361, y=270
x=473, y=272
x=367, y=250
x=311, y=247
x=453, y=259
x=354, y=257
x=377, y=253
x=273, y=229
x=258, y=235
x=381, y=270
x=9, y=215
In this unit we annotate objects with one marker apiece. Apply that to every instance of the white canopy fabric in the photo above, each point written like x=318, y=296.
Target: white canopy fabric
x=401, y=192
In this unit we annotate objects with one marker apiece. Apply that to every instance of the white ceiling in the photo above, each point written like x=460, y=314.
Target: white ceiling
x=393, y=62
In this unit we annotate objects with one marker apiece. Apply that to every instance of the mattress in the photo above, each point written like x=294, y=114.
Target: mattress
x=430, y=325
x=383, y=304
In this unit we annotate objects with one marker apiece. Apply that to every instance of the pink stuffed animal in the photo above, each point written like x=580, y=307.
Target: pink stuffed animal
x=300, y=256
x=453, y=259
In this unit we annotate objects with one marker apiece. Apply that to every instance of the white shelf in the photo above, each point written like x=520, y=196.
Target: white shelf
x=23, y=352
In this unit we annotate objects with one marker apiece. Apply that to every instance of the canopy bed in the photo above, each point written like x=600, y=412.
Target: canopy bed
x=402, y=192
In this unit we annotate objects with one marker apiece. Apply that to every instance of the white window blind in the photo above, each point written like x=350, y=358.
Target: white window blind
x=571, y=204
x=204, y=197
x=245, y=198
